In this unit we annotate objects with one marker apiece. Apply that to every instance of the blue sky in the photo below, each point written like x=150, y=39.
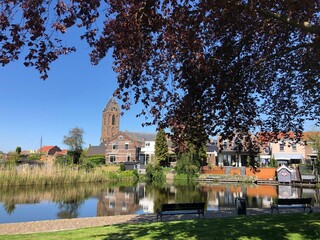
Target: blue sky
x=74, y=95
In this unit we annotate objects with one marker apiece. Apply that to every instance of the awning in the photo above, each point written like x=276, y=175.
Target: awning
x=266, y=156
x=287, y=156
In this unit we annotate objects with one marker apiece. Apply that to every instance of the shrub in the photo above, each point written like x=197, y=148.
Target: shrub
x=273, y=162
x=96, y=160
x=154, y=173
x=87, y=165
x=185, y=165
x=34, y=156
x=122, y=167
x=63, y=161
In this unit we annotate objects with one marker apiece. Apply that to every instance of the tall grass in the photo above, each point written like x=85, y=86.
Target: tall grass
x=26, y=175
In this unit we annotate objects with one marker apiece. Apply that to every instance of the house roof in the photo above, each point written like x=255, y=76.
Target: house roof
x=306, y=135
x=284, y=167
x=211, y=147
x=270, y=136
x=25, y=152
x=142, y=137
x=97, y=150
x=45, y=148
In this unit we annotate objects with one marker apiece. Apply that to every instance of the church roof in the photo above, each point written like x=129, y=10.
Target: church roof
x=111, y=101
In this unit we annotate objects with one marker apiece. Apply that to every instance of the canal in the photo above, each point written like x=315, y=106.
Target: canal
x=21, y=204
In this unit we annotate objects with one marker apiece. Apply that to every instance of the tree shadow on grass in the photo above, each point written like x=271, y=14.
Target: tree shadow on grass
x=279, y=226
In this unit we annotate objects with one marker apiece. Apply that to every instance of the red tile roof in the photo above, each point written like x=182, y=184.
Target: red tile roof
x=45, y=148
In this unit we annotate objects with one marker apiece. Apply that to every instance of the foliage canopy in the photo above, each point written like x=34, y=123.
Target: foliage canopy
x=195, y=64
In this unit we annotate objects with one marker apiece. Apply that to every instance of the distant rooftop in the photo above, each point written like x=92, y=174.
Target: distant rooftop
x=140, y=136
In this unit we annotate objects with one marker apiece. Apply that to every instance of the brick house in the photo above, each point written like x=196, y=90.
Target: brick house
x=235, y=152
x=123, y=147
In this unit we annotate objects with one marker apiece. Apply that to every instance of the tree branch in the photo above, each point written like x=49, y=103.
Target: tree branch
x=305, y=26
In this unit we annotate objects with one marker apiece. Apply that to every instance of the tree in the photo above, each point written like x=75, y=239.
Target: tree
x=18, y=150
x=161, y=148
x=218, y=65
x=314, y=138
x=75, y=141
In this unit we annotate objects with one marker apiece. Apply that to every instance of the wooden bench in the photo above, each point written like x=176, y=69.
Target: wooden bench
x=180, y=208
x=292, y=203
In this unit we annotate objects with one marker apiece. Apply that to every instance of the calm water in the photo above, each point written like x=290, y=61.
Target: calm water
x=91, y=200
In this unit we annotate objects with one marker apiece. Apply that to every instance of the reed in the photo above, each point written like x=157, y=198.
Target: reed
x=26, y=175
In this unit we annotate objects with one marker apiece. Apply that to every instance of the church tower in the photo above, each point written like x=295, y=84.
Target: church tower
x=110, y=120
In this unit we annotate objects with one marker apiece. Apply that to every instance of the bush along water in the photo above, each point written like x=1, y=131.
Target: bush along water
x=155, y=174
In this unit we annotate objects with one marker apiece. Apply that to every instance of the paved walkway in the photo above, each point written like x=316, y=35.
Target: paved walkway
x=75, y=223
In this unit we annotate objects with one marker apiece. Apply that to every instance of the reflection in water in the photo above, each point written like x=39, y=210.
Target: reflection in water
x=90, y=200
x=68, y=210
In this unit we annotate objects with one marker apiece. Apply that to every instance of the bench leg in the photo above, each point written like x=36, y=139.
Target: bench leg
x=158, y=217
x=272, y=207
x=200, y=213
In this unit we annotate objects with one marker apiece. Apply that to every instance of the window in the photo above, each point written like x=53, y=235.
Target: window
x=113, y=119
x=112, y=204
x=126, y=195
x=294, y=147
x=128, y=157
x=147, y=144
x=112, y=158
x=120, y=137
x=225, y=145
x=281, y=147
x=126, y=146
x=267, y=150
x=124, y=206
x=115, y=146
x=295, y=161
x=110, y=192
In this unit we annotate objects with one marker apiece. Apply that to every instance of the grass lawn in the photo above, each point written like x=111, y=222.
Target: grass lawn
x=271, y=226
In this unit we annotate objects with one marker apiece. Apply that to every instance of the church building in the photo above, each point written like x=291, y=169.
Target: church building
x=122, y=146
x=110, y=120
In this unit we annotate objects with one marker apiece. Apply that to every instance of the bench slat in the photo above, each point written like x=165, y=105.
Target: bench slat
x=181, y=208
x=292, y=203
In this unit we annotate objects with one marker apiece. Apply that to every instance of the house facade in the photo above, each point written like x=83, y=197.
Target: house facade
x=130, y=147
x=123, y=147
x=285, y=150
x=237, y=151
